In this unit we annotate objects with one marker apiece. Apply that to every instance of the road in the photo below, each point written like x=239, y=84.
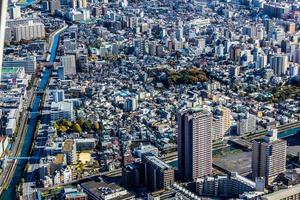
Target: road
x=5, y=177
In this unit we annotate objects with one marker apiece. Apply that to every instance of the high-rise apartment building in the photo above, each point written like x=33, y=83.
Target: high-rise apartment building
x=279, y=64
x=157, y=174
x=3, y=10
x=221, y=123
x=29, y=31
x=276, y=10
x=194, y=143
x=246, y=123
x=269, y=157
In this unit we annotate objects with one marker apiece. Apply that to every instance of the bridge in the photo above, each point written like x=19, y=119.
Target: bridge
x=33, y=114
x=246, y=145
x=39, y=92
x=13, y=159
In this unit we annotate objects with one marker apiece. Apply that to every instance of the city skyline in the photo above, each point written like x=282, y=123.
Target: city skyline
x=138, y=99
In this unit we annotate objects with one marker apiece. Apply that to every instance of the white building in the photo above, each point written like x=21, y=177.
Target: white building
x=29, y=31
x=3, y=9
x=62, y=110
x=10, y=127
x=246, y=124
x=15, y=12
x=69, y=63
x=229, y=186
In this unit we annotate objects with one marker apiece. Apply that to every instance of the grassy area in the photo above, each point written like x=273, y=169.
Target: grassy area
x=285, y=92
x=188, y=76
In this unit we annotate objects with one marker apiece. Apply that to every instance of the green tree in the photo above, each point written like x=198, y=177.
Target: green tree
x=55, y=125
x=80, y=121
x=96, y=126
x=77, y=128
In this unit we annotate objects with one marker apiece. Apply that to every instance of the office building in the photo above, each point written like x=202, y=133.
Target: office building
x=279, y=64
x=69, y=63
x=194, y=143
x=29, y=63
x=3, y=10
x=132, y=175
x=269, y=157
x=104, y=191
x=157, y=174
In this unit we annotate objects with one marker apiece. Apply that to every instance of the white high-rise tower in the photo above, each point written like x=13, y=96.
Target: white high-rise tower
x=3, y=10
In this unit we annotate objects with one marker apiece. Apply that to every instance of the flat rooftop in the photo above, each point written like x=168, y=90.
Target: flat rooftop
x=10, y=70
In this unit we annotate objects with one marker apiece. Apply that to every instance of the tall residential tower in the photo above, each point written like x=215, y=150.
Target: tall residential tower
x=3, y=10
x=269, y=157
x=194, y=143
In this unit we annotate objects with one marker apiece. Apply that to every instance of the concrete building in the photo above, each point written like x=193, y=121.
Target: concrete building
x=29, y=31
x=69, y=148
x=3, y=10
x=103, y=191
x=29, y=63
x=69, y=63
x=54, y=5
x=291, y=193
x=157, y=174
x=62, y=110
x=246, y=123
x=269, y=157
x=221, y=123
x=194, y=143
x=15, y=12
x=279, y=64
x=230, y=186
x=276, y=10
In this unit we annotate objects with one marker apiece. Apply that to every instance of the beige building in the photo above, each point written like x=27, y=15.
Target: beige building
x=29, y=31
x=269, y=157
x=69, y=148
x=292, y=193
x=194, y=143
x=221, y=123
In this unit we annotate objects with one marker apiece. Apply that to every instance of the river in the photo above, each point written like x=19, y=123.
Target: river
x=10, y=193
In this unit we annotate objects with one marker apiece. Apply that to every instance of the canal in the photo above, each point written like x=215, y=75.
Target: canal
x=10, y=193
